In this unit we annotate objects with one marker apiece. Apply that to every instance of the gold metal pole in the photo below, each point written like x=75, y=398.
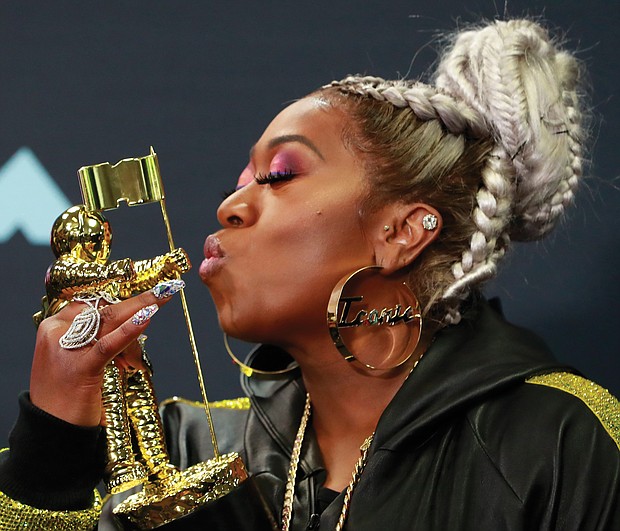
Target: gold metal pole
x=192, y=340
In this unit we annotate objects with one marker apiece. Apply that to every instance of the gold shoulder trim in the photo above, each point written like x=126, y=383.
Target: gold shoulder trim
x=16, y=516
x=599, y=400
x=234, y=403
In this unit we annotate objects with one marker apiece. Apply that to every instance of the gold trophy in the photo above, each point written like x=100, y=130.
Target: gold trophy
x=81, y=239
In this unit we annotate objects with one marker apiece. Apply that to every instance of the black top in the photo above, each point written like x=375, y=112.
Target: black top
x=474, y=439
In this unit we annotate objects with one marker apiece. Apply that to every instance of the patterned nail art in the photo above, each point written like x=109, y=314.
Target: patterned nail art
x=168, y=288
x=143, y=315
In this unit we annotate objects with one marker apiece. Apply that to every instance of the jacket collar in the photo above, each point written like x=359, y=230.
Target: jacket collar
x=278, y=403
x=466, y=363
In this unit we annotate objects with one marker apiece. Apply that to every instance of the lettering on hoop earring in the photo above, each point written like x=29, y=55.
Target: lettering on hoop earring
x=386, y=321
x=373, y=317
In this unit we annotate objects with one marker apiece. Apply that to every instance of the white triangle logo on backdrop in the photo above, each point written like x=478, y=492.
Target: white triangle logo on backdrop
x=30, y=200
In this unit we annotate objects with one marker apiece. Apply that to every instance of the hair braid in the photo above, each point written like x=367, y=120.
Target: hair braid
x=540, y=219
x=488, y=243
x=426, y=102
x=511, y=73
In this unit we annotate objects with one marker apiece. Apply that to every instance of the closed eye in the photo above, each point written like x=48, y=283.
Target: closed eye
x=274, y=177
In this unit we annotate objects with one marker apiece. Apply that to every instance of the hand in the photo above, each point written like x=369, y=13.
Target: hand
x=177, y=261
x=67, y=383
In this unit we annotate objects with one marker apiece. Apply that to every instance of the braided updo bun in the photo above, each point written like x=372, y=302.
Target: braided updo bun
x=494, y=146
x=512, y=74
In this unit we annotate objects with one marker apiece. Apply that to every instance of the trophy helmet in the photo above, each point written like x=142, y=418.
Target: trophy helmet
x=82, y=234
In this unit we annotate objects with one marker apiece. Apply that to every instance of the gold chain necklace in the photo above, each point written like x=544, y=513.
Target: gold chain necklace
x=289, y=493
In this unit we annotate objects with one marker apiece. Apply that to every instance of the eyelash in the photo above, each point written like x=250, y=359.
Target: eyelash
x=263, y=178
x=274, y=177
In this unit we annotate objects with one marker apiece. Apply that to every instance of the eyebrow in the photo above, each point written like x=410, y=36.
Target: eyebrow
x=285, y=139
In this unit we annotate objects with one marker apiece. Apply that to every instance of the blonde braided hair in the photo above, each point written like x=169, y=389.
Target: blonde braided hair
x=506, y=84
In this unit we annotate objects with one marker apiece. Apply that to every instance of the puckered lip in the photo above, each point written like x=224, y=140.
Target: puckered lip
x=213, y=248
x=214, y=258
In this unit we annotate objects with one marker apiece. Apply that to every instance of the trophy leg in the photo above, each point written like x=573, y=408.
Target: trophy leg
x=123, y=471
x=169, y=494
x=144, y=415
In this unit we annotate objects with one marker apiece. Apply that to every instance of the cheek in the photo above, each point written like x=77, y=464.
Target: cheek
x=289, y=264
x=318, y=247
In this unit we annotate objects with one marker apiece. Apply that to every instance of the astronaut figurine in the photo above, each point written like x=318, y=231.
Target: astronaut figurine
x=81, y=243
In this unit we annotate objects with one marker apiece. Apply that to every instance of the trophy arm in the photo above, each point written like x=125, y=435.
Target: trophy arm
x=68, y=276
x=149, y=272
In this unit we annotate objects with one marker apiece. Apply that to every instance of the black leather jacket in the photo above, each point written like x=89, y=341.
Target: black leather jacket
x=475, y=439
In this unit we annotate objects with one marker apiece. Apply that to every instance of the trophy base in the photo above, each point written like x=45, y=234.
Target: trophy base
x=181, y=493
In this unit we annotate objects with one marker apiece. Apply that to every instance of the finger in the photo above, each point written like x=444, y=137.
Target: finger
x=119, y=339
x=131, y=358
x=68, y=311
x=114, y=315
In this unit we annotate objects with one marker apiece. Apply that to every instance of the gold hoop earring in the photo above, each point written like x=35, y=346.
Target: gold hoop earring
x=383, y=315
x=251, y=371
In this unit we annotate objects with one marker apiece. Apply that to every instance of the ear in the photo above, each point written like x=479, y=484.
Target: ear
x=400, y=235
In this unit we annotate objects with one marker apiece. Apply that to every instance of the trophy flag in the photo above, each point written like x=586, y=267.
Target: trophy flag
x=133, y=181
x=137, y=181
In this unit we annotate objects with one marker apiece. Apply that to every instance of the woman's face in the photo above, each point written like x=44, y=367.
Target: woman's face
x=286, y=242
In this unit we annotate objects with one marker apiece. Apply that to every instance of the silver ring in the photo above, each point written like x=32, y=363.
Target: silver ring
x=85, y=325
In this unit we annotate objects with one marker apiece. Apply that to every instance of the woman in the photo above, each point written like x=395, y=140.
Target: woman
x=476, y=426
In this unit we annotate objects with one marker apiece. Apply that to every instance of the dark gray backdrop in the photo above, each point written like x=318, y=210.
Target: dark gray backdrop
x=86, y=82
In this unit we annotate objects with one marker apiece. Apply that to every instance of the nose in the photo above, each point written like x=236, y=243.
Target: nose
x=238, y=209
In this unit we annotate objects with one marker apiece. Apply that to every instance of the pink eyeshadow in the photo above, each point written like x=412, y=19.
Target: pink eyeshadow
x=285, y=161
x=245, y=178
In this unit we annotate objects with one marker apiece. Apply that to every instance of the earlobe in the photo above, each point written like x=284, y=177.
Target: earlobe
x=408, y=231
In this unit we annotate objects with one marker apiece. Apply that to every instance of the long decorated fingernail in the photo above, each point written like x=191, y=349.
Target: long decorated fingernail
x=143, y=315
x=168, y=288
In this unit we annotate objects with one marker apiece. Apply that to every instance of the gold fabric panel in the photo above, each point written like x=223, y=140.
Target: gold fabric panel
x=599, y=400
x=234, y=403
x=15, y=516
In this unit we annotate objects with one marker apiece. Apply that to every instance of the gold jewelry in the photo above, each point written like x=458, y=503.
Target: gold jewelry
x=381, y=313
x=357, y=474
x=251, y=371
x=289, y=492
